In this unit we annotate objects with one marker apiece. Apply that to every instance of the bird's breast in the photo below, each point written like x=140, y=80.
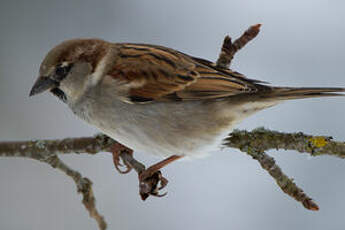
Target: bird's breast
x=163, y=129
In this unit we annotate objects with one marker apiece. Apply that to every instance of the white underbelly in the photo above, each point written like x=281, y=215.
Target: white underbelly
x=192, y=128
x=142, y=141
x=187, y=129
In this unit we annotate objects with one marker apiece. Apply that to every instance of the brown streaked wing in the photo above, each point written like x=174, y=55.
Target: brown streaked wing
x=156, y=73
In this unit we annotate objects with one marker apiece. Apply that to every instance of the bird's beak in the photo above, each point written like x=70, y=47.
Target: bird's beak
x=42, y=84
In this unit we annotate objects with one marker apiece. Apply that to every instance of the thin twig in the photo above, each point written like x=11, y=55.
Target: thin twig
x=259, y=140
x=84, y=186
x=46, y=151
x=229, y=49
x=284, y=182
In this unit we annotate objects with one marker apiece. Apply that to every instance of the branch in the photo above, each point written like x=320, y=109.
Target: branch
x=264, y=139
x=253, y=143
x=229, y=49
x=46, y=151
x=259, y=140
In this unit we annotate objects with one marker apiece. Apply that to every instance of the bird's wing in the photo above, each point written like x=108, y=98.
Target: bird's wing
x=156, y=73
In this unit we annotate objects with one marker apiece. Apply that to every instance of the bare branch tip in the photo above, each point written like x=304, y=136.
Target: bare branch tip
x=257, y=26
x=311, y=205
x=227, y=39
x=227, y=43
x=253, y=30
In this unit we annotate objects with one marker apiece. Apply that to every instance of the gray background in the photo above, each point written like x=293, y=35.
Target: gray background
x=301, y=44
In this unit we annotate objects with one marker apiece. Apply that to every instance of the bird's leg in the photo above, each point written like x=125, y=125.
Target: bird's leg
x=151, y=177
x=117, y=149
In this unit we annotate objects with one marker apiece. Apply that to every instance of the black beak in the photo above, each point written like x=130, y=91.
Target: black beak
x=43, y=84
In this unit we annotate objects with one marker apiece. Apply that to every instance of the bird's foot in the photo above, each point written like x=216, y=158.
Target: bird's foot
x=151, y=179
x=117, y=150
x=151, y=182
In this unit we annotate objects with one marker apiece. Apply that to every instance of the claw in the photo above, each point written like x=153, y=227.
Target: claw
x=126, y=170
x=163, y=183
x=148, y=184
x=117, y=149
x=159, y=195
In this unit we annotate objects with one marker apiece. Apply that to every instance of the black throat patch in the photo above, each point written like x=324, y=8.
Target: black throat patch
x=59, y=94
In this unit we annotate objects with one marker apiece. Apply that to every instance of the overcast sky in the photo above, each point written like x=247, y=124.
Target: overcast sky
x=301, y=44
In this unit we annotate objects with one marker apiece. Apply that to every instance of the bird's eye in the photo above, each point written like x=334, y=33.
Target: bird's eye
x=61, y=71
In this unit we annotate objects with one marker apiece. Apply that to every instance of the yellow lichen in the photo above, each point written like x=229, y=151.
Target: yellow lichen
x=318, y=142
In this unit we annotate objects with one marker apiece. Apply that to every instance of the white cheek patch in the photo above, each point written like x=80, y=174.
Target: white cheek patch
x=75, y=83
x=98, y=75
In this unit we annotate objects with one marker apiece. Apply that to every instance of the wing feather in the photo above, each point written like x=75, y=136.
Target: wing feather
x=156, y=73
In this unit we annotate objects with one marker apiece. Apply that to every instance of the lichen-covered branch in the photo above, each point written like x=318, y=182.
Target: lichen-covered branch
x=259, y=140
x=284, y=182
x=46, y=151
x=264, y=139
x=255, y=143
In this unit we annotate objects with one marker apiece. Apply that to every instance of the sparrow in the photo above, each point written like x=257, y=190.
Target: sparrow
x=155, y=99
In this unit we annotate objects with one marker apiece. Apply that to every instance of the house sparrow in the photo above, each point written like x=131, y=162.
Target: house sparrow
x=155, y=99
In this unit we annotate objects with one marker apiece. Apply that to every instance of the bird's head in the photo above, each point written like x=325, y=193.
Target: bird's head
x=66, y=67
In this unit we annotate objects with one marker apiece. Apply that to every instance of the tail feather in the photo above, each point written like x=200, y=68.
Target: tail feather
x=288, y=93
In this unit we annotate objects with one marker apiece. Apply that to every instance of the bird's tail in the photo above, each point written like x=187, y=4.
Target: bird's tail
x=289, y=93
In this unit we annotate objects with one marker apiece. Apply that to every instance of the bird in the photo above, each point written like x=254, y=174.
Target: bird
x=155, y=99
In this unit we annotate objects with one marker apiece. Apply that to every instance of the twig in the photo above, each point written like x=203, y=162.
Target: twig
x=229, y=49
x=46, y=151
x=254, y=143
x=259, y=140
x=84, y=186
x=264, y=139
x=284, y=182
